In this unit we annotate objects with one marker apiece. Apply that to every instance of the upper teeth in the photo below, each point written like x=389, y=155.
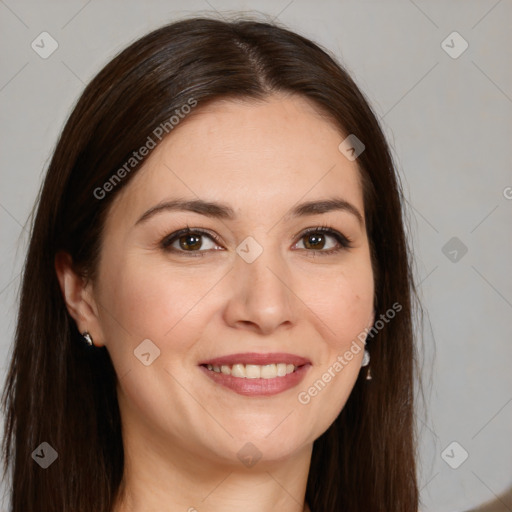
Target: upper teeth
x=254, y=371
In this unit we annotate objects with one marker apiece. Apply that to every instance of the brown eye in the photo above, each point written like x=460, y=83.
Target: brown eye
x=190, y=242
x=324, y=240
x=314, y=241
x=194, y=242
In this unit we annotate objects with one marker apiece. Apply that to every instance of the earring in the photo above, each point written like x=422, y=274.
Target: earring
x=366, y=362
x=87, y=337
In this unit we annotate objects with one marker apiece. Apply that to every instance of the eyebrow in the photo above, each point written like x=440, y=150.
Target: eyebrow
x=223, y=211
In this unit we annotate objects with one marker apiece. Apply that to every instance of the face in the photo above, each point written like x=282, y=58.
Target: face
x=235, y=332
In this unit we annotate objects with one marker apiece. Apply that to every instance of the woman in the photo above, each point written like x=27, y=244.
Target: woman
x=216, y=308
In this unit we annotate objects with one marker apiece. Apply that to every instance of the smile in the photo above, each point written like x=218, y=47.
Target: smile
x=255, y=374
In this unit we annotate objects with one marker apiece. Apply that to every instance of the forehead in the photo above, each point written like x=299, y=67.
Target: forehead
x=256, y=155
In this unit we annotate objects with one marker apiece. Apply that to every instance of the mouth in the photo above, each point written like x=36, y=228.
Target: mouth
x=255, y=374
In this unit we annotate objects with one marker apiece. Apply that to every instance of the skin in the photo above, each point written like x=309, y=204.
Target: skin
x=181, y=430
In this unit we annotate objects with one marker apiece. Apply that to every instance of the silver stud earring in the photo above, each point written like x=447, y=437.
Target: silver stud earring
x=87, y=337
x=366, y=362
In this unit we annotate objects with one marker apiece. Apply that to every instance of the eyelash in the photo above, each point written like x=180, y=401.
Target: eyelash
x=343, y=241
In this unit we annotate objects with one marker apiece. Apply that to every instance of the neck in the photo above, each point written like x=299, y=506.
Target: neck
x=167, y=478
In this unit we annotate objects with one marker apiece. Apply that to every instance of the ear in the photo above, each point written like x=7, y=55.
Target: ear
x=78, y=295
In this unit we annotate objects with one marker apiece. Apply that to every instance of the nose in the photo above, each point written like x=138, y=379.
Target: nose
x=261, y=296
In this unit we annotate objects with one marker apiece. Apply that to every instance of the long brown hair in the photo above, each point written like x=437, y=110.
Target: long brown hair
x=61, y=392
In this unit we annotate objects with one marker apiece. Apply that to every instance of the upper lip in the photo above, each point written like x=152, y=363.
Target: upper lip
x=256, y=358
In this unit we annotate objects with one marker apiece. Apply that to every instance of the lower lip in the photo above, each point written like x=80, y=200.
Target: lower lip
x=258, y=387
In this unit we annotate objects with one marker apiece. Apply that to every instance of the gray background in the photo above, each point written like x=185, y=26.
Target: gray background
x=449, y=122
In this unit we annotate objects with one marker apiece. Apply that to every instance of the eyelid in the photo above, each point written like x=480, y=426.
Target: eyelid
x=343, y=240
x=172, y=237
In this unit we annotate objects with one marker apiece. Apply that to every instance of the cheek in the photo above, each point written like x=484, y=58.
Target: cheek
x=138, y=299
x=343, y=304
x=152, y=301
x=343, y=300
